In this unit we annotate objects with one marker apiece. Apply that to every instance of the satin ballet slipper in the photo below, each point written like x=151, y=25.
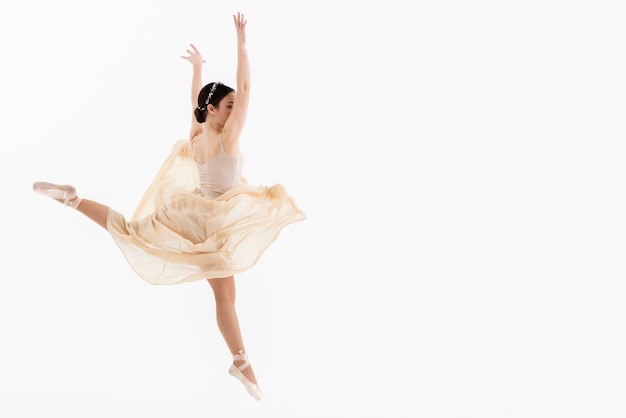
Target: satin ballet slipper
x=63, y=193
x=252, y=388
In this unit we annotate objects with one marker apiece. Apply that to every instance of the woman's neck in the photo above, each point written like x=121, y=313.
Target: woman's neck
x=214, y=127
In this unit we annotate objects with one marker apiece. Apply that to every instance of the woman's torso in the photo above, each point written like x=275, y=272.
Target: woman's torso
x=220, y=173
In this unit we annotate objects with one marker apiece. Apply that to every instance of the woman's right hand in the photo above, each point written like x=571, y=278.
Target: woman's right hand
x=193, y=56
x=240, y=26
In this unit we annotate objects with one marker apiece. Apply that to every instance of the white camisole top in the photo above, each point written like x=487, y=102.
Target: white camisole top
x=220, y=174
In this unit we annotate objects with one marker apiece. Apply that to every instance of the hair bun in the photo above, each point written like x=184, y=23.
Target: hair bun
x=200, y=114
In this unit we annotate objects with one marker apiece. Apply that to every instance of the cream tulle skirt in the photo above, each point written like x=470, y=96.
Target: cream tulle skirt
x=177, y=235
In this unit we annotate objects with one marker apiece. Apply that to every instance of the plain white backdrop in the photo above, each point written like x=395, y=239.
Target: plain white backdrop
x=460, y=164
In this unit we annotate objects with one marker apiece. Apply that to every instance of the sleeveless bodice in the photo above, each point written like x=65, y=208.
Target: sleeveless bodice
x=220, y=174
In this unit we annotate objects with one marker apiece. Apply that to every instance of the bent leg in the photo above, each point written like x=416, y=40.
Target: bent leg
x=227, y=320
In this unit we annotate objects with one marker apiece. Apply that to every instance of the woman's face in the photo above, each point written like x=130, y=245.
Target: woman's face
x=222, y=112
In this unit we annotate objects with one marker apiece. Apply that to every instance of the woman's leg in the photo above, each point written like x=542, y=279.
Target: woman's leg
x=95, y=211
x=227, y=321
x=67, y=195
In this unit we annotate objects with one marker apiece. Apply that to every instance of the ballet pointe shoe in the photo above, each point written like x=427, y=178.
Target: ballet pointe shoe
x=61, y=193
x=252, y=388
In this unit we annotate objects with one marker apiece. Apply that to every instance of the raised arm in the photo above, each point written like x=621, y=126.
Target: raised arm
x=195, y=58
x=236, y=120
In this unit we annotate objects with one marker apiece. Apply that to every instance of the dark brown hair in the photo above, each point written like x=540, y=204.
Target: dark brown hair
x=211, y=94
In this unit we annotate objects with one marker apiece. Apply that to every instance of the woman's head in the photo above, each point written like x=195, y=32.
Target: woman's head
x=211, y=97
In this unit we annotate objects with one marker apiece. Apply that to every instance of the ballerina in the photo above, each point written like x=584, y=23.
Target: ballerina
x=199, y=219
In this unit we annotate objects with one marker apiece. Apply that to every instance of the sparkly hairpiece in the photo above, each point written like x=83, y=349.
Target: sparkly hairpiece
x=208, y=99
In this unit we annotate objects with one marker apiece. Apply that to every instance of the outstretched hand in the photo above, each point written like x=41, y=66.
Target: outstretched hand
x=240, y=26
x=194, y=56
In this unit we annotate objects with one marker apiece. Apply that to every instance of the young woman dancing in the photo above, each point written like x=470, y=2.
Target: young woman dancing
x=199, y=219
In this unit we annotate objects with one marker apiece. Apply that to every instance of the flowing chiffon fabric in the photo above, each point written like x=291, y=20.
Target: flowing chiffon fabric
x=177, y=235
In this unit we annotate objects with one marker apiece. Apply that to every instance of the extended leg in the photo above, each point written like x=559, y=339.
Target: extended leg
x=67, y=195
x=95, y=211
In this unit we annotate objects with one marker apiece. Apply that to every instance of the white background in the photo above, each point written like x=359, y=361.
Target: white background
x=460, y=166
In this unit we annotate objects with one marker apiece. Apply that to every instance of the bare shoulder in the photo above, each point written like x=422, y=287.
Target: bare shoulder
x=206, y=146
x=195, y=132
x=196, y=128
x=230, y=142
